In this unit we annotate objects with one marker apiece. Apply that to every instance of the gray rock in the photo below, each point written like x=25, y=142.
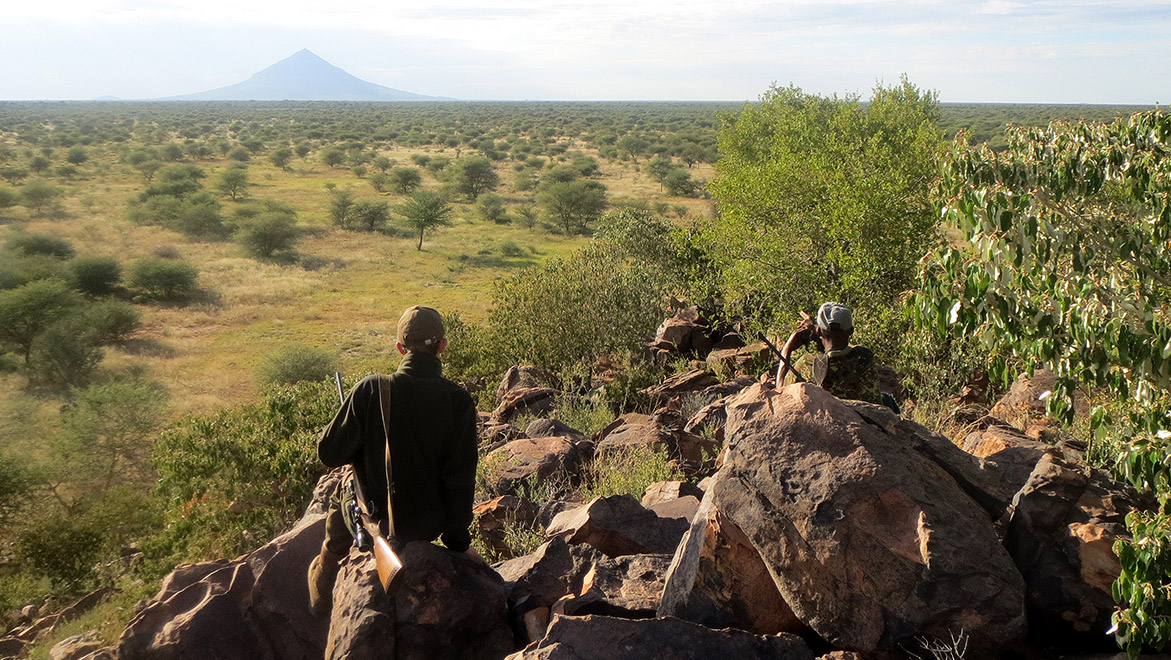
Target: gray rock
x=618, y=525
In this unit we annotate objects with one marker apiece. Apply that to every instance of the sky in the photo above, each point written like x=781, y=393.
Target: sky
x=1031, y=51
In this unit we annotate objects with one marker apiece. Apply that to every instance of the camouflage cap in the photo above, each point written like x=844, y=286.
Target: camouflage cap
x=832, y=312
x=420, y=326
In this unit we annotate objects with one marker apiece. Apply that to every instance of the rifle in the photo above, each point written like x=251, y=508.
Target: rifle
x=784, y=360
x=369, y=531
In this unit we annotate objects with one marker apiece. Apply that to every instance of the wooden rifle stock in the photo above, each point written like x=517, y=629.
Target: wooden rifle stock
x=385, y=559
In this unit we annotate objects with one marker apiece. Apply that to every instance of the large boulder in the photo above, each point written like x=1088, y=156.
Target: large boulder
x=618, y=525
x=863, y=529
x=548, y=573
x=609, y=638
x=449, y=606
x=692, y=450
x=537, y=401
x=523, y=377
x=252, y=607
x=630, y=587
x=533, y=461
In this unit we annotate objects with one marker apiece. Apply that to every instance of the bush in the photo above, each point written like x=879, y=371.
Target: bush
x=96, y=276
x=62, y=549
x=164, y=279
x=65, y=354
x=628, y=472
x=113, y=320
x=34, y=244
x=267, y=234
x=294, y=363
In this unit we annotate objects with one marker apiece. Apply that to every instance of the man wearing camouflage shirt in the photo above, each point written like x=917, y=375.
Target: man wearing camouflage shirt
x=845, y=371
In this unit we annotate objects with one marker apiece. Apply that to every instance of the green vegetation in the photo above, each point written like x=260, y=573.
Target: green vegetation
x=1069, y=267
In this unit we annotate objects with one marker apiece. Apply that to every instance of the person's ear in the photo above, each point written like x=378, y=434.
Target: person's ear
x=442, y=346
x=401, y=349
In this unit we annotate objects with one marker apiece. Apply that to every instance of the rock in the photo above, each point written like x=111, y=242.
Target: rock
x=255, y=606
x=73, y=648
x=1007, y=453
x=858, y=521
x=108, y=653
x=742, y=359
x=689, y=381
x=532, y=461
x=664, y=491
x=319, y=501
x=1060, y=532
x=630, y=587
x=524, y=377
x=492, y=433
x=717, y=578
x=683, y=508
x=496, y=517
x=709, y=421
x=693, y=450
x=545, y=428
x=840, y=655
x=609, y=638
x=12, y=647
x=727, y=388
x=449, y=606
x=618, y=525
x=683, y=334
x=1024, y=402
x=524, y=401
x=551, y=571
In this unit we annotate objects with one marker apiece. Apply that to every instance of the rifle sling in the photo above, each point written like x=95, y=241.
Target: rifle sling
x=384, y=404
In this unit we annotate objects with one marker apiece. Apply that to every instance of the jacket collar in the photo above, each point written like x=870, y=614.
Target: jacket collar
x=418, y=364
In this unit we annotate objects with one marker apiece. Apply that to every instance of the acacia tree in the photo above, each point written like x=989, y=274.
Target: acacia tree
x=475, y=175
x=574, y=203
x=1069, y=267
x=424, y=210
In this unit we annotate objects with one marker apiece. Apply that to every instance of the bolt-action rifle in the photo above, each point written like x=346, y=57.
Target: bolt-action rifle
x=368, y=535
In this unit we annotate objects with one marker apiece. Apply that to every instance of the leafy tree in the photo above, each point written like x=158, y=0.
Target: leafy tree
x=164, y=279
x=8, y=198
x=575, y=203
x=426, y=210
x=96, y=276
x=359, y=170
x=28, y=310
x=633, y=146
x=240, y=155
x=39, y=244
x=825, y=199
x=382, y=164
x=112, y=320
x=233, y=182
x=678, y=182
x=340, y=204
x=13, y=174
x=405, y=180
x=379, y=181
x=1068, y=266
x=281, y=157
x=77, y=155
x=475, y=175
x=491, y=208
x=40, y=196
x=368, y=215
x=302, y=149
x=171, y=152
x=39, y=164
x=333, y=156
x=560, y=174
x=268, y=233
x=66, y=353
x=147, y=169
x=659, y=168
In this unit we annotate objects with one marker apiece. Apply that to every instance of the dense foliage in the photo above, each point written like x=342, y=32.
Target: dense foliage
x=824, y=199
x=1068, y=266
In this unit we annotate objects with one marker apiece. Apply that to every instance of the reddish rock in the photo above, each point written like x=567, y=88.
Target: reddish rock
x=629, y=587
x=683, y=508
x=692, y=449
x=1025, y=402
x=550, y=572
x=857, y=517
x=449, y=606
x=610, y=638
x=75, y=647
x=532, y=461
x=749, y=359
x=664, y=491
x=618, y=525
x=689, y=381
x=524, y=401
x=545, y=428
x=524, y=377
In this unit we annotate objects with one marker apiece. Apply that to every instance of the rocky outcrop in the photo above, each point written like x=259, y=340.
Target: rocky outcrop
x=548, y=573
x=449, y=606
x=867, y=538
x=495, y=518
x=251, y=607
x=618, y=525
x=532, y=461
x=692, y=451
x=630, y=587
x=608, y=638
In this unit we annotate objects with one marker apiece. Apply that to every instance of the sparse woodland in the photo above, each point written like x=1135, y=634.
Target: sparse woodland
x=179, y=281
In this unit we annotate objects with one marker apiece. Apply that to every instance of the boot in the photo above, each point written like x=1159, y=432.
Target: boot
x=322, y=574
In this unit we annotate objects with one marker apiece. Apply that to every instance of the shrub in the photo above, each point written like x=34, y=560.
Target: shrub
x=62, y=549
x=41, y=197
x=512, y=249
x=96, y=276
x=113, y=320
x=65, y=354
x=31, y=244
x=294, y=363
x=164, y=279
x=268, y=233
x=628, y=472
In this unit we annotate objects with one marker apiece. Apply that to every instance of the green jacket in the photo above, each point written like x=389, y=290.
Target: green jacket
x=847, y=373
x=432, y=447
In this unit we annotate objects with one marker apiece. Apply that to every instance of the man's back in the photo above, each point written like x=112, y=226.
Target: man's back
x=846, y=373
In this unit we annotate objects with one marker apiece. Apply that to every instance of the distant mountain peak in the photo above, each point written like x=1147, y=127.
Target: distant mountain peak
x=305, y=76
